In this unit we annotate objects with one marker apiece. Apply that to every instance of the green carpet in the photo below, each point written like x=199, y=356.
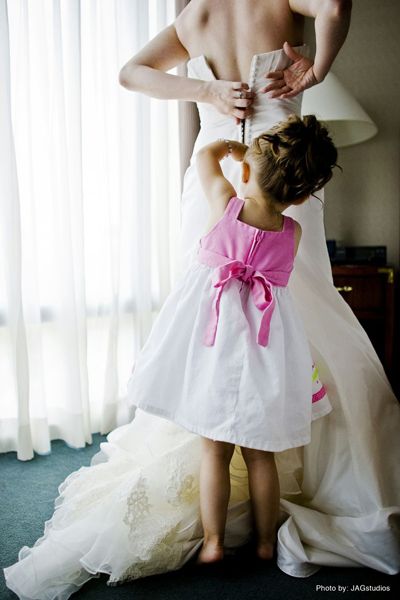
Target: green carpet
x=27, y=493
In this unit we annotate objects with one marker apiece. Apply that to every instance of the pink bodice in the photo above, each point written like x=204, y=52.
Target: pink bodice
x=261, y=259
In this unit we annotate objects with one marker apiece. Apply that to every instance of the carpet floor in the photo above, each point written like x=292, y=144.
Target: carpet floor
x=239, y=578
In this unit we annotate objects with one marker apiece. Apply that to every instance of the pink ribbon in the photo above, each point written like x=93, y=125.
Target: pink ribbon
x=261, y=290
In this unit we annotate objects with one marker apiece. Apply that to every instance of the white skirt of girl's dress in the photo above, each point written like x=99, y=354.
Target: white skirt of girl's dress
x=236, y=390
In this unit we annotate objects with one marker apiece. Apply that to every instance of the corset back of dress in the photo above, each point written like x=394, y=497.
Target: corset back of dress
x=266, y=111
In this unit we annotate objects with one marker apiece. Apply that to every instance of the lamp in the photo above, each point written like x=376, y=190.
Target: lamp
x=347, y=121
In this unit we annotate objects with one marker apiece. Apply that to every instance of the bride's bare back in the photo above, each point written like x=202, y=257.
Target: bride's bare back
x=230, y=33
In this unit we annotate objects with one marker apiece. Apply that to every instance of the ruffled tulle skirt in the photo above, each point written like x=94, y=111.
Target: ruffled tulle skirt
x=134, y=512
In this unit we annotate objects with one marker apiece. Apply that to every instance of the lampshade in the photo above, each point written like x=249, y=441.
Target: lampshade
x=346, y=120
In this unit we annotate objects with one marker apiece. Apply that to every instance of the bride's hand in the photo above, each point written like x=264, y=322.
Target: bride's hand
x=291, y=81
x=232, y=98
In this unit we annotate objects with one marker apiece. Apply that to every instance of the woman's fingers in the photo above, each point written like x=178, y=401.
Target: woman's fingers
x=242, y=98
x=289, y=94
x=273, y=88
x=241, y=94
x=231, y=98
x=291, y=53
x=242, y=103
x=277, y=81
x=240, y=85
x=274, y=75
x=240, y=113
x=281, y=92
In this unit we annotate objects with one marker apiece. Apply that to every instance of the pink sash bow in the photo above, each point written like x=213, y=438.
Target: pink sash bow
x=260, y=282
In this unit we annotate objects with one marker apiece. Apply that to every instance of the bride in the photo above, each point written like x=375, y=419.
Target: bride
x=135, y=510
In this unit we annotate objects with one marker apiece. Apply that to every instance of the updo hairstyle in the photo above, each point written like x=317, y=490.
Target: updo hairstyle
x=294, y=159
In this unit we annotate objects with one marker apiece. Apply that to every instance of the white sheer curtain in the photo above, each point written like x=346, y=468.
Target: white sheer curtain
x=89, y=201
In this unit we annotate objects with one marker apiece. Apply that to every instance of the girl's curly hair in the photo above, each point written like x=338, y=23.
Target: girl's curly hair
x=294, y=159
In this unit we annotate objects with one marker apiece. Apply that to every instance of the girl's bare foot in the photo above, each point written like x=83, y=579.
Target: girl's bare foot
x=265, y=550
x=210, y=553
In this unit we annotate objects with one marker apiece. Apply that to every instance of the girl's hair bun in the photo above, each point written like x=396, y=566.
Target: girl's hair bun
x=294, y=159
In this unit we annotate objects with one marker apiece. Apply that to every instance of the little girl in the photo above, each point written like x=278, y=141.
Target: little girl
x=228, y=358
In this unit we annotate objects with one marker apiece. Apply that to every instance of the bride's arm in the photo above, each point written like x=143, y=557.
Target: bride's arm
x=146, y=73
x=332, y=21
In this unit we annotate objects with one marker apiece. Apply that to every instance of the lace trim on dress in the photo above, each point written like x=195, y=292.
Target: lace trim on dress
x=138, y=506
x=156, y=531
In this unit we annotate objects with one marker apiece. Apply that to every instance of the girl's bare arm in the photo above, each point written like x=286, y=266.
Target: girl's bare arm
x=218, y=190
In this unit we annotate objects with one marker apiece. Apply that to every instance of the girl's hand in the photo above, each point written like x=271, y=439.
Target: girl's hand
x=232, y=98
x=293, y=80
x=238, y=150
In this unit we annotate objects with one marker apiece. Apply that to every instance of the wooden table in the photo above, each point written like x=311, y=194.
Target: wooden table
x=369, y=290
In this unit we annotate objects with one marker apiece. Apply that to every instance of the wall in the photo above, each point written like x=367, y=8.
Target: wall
x=362, y=203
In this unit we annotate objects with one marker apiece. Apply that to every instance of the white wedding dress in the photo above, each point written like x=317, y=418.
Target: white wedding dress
x=135, y=510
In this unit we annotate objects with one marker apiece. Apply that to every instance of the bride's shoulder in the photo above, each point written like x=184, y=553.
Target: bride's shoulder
x=195, y=14
x=195, y=24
